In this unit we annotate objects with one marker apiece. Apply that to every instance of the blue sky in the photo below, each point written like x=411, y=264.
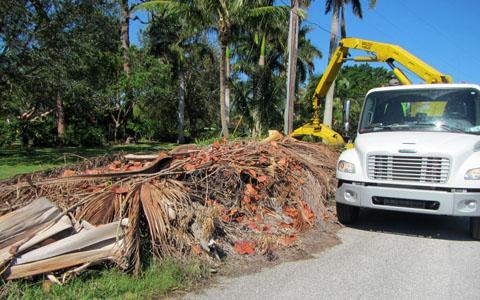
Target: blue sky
x=443, y=33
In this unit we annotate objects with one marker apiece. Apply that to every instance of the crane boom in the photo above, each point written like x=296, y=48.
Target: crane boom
x=381, y=52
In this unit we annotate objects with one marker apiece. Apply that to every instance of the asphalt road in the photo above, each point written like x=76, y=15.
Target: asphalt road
x=386, y=256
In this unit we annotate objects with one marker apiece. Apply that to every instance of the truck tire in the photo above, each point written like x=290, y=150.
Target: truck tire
x=475, y=228
x=347, y=214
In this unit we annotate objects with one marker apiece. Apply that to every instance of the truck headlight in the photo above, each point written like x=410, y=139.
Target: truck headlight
x=473, y=174
x=346, y=167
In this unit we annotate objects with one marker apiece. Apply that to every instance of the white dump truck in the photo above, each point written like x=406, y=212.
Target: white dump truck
x=417, y=150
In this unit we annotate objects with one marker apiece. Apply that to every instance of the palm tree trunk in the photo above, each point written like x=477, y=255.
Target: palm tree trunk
x=343, y=26
x=227, y=86
x=327, y=116
x=223, y=63
x=257, y=130
x=181, y=107
x=60, y=120
x=124, y=33
x=261, y=60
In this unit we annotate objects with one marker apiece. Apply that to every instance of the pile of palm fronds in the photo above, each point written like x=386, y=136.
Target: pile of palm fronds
x=226, y=199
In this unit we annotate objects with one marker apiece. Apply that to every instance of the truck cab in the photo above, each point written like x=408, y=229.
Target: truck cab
x=417, y=150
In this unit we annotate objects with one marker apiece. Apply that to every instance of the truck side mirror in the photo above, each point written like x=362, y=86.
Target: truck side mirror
x=346, y=117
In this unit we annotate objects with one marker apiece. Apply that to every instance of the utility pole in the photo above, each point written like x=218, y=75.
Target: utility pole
x=292, y=67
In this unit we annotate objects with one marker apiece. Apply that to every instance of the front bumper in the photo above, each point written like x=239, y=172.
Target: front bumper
x=406, y=199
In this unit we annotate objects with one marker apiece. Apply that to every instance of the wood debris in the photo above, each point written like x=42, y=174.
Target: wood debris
x=228, y=199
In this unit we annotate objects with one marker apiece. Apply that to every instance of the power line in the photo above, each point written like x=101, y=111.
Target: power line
x=386, y=33
x=321, y=28
x=312, y=23
x=444, y=61
x=439, y=32
x=388, y=21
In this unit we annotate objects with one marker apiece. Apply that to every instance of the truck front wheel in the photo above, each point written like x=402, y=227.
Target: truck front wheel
x=475, y=228
x=347, y=214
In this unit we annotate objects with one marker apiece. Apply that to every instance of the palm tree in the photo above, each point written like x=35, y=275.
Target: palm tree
x=169, y=36
x=307, y=53
x=173, y=33
x=225, y=17
x=337, y=8
x=263, y=61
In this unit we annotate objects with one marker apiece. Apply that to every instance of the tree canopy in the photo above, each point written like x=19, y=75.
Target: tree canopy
x=68, y=76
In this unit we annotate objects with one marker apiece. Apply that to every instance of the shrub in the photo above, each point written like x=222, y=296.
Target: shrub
x=8, y=132
x=41, y=133
x=82, y=134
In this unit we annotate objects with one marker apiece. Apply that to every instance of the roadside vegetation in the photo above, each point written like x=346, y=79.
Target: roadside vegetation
x=157, y=280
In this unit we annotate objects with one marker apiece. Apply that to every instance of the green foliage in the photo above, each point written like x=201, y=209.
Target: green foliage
x=54, y=50
x=172, y=40
x=155, y=281
x=202, y=92
x=260, y=95
x=41, y=133
x=361, y=78
x=70, y=50
x=83, y=134
x=8, y=132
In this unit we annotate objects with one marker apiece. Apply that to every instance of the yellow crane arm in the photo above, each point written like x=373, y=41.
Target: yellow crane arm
x=381, y=52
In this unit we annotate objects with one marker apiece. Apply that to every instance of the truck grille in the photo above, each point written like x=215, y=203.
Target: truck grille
x=408, y=168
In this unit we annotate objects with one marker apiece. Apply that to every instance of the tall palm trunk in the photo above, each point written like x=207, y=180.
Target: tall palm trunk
x=343, y=26
x=257, y=99
x=261, y=60
x=257, y=114
x=327, y=116
x=124, y=33
x=257, y=130
x=60, y=120
x=227, y=86
x=223, y=63
x=181, y=106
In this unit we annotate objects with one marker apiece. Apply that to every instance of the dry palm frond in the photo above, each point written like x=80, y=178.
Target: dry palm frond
x=155, y=210
x=131, y=251
x=101, y=209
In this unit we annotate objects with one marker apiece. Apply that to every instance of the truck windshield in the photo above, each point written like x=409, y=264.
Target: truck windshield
x=450, y=109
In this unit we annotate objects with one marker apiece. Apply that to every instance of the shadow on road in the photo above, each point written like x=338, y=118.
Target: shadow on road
x=420, y=225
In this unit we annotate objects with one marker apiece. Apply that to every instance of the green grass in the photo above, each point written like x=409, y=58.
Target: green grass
x=19, y=160
x=16, y=159
x=157, y=280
